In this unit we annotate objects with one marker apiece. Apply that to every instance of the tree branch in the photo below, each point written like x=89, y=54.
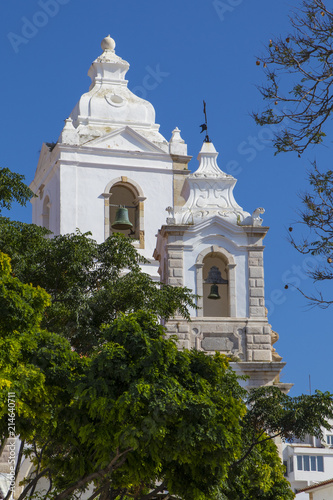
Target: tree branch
x=95, y=475
x=154, y=492
x=32, y=483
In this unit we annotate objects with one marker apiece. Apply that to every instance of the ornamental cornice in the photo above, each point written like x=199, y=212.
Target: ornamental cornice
x=85, y=151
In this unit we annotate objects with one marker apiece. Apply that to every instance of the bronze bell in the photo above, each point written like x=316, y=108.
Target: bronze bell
x=214, y=292
x=122, y=221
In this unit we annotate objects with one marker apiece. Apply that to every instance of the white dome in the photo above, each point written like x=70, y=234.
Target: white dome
x=110, y=104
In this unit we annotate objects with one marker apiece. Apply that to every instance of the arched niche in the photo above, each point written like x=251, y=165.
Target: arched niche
x=125, y=192
x=46, y=212
x=225, y=278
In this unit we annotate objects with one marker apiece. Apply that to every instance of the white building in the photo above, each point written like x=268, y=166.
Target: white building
x=319, y=491
x=308, y=463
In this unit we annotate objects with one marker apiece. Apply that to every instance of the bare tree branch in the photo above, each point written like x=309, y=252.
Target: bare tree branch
x=304, y=106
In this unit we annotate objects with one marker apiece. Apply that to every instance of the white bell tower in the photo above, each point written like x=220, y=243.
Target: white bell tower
x=215, y=248
x=110, y=154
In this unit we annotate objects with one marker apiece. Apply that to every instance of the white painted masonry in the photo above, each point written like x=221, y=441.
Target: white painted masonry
x=111, y=133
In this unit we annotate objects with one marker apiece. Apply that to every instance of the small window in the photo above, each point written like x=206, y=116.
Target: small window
x=313, y=463
x=299, y=462
x=285, y=463
x=291, y=464
x=329, y=439
x=320, y=464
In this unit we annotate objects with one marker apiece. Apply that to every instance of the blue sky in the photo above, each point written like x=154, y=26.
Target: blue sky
x=193, y=50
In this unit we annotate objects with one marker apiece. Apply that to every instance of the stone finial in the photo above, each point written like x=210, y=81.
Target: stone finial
x=69, y=134
x=177, y=144
x=108, y=43
x=176, y=137
x=108, y=67
x=208, y=166
x=209, y=192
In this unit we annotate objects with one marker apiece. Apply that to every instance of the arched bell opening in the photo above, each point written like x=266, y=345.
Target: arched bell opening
x=126, y=193
x=124, y=197
x=215, y=281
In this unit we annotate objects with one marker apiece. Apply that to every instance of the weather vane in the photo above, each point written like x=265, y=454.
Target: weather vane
x=204, y=126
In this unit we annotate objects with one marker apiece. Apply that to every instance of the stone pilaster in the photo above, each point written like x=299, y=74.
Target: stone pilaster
x=256, y=283
x=175, y=256
x=180, y=329
x=258, y=342
x=175, y=267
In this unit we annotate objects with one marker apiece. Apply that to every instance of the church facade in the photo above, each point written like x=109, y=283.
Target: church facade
x=110, y=154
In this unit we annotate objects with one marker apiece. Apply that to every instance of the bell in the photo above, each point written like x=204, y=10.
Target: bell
x=122, y=221
x=214, y=292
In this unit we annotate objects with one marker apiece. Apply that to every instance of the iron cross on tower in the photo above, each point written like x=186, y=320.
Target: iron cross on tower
x=204, y=126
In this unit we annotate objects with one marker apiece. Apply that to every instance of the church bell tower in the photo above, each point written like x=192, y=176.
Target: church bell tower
x=110, y=154
x=215, y=248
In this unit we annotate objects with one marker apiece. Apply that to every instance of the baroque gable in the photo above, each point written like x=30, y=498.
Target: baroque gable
x=124, y=139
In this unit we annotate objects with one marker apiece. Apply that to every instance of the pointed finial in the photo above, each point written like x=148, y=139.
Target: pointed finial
x=177, y=144
x=108, y=43
x=176, y=137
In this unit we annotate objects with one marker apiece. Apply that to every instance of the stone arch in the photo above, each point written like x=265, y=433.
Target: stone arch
x=131, y=184
x=217, y=252
x=132, y=194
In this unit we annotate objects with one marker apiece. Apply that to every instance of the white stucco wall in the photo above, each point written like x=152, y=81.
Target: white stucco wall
x=51, y=190
x=82, y=201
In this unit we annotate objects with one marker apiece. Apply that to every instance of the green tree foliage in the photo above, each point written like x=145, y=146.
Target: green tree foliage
x=174, y=415
x=105, y=404
x=259, y=476
x=21, y=309
x=89, y=284
x=299, y=71
x=135, y=411
x=12, y=188
x=258, y=473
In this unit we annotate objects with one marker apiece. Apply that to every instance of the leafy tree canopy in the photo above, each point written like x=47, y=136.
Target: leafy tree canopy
x=12, y=188
x=136, y=417
x=259, y=476
x=133, y=412
x=105, y=404
x=90, y=284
